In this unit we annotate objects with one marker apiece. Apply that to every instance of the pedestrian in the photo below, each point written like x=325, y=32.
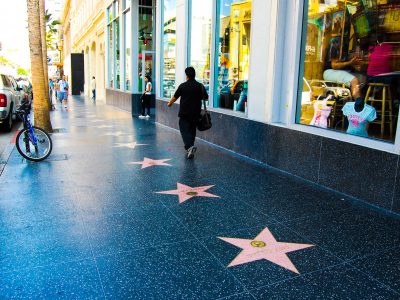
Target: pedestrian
x=191, y=93
x=93, y=87
x=146, y=98
x=63, y=91
x=51, y=89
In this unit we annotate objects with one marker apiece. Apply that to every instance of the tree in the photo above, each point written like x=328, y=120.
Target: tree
x=22, y=71
x=51, y=31
x=44, y=47
x=41, y=103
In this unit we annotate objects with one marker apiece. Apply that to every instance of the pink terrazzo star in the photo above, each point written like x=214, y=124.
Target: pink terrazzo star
x=265, y=246
x=185, y=192
x=148, y=162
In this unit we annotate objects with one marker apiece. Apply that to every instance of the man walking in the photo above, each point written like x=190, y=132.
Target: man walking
x=93, y=88
x=192, y=93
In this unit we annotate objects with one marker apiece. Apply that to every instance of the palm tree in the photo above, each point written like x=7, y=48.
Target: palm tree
x=41, y=103
x=44, y=45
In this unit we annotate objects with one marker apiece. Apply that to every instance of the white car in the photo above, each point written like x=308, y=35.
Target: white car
x=10, y=99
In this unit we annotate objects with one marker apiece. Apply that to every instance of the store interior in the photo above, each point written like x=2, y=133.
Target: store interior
x=351, y=70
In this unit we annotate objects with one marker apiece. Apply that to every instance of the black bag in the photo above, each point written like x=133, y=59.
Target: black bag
x=204, y=122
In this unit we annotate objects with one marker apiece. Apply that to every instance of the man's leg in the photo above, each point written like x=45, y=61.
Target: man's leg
x=186, y=129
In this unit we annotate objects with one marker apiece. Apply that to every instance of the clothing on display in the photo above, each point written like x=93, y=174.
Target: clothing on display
x=358, y=121
x=321, y=113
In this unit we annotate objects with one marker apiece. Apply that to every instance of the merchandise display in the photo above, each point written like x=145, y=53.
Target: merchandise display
x=352, y=52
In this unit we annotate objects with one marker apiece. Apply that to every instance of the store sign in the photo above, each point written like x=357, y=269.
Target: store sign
x=53, y=57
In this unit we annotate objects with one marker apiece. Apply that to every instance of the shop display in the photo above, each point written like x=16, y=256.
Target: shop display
x=351, y=45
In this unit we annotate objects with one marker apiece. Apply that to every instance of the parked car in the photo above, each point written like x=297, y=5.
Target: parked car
x=324, y=88
x=10, y=99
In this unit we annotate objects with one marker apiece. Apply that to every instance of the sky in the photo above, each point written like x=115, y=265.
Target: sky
x=14, y=31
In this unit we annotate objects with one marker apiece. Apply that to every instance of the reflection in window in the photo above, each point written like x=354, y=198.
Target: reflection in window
x=200, y=43
x=145, y=40
x=234, y=54
x=128, y=41
x=169, y=49
x=351, y=67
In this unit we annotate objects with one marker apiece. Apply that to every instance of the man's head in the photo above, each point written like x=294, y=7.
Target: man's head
x=190, y=73
x=93, y=77
x=63, y=78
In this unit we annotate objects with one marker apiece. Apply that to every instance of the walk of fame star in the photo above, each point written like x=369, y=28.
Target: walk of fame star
x=185, y=192
x=265, y=246
x=148, y=162
x=128, y=145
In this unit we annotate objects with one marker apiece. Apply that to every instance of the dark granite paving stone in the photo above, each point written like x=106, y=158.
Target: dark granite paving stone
x=21, y=212
x=352, y=233
x=339, y=282
x=289, y=203
x=136, y=229
x=43, y=243
x=384, y=267
x=210, y=216
x=263, y=272
x=241, y=296
x=75, y=280
x=180, y=271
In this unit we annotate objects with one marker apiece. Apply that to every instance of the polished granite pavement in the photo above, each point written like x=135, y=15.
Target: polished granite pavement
x=118, y=212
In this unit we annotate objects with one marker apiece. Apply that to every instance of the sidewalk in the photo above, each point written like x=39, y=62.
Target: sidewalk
x=88, y=223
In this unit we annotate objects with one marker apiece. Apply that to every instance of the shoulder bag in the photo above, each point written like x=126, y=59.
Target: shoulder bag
x=204, y=122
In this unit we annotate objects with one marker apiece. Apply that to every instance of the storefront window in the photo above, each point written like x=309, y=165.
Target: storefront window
x=351, y=77
x=169, y=48
x=145, y=41
x=200, y=40
x=128, y=41
x=233, y=54
x=117, y=55
x=110, y=55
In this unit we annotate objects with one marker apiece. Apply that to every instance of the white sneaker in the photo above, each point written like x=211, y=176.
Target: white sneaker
x=141, y=117
x=190, y=152
x=147, y=117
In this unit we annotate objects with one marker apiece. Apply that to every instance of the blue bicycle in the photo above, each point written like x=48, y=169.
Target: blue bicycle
x=33, y=143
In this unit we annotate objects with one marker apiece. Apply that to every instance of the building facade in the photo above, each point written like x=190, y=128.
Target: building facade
x=83, y=33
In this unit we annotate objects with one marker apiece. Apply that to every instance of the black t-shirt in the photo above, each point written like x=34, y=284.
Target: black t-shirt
x=191, y=93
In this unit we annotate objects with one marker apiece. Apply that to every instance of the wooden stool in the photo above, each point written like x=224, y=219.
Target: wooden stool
x=384, y=104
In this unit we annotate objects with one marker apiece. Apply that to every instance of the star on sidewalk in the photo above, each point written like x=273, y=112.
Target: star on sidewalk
x=265, y=246
x=185, y=192
x=117, y=133
x=148, y=162
x=128, y=145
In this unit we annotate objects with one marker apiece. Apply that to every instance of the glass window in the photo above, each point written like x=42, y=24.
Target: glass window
x=110, y=55
x=117, y=55
x=200, y=40
x=233, y=54
x=169, y=48
x=351, y=67
x=145, y=41
x=128, y=41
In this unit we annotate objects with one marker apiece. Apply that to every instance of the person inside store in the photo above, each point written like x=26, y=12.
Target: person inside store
x=340, y=70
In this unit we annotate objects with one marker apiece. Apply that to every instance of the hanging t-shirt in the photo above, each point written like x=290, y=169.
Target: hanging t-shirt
x=358, y=121
x=321, y=114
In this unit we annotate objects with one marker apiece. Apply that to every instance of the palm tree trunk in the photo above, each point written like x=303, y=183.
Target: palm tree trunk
x=40, y=103
x=44, y=44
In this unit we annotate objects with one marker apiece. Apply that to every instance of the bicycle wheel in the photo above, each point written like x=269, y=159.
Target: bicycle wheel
x=29, y=150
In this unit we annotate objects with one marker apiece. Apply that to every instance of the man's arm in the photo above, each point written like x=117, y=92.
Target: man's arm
x=172, y=101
